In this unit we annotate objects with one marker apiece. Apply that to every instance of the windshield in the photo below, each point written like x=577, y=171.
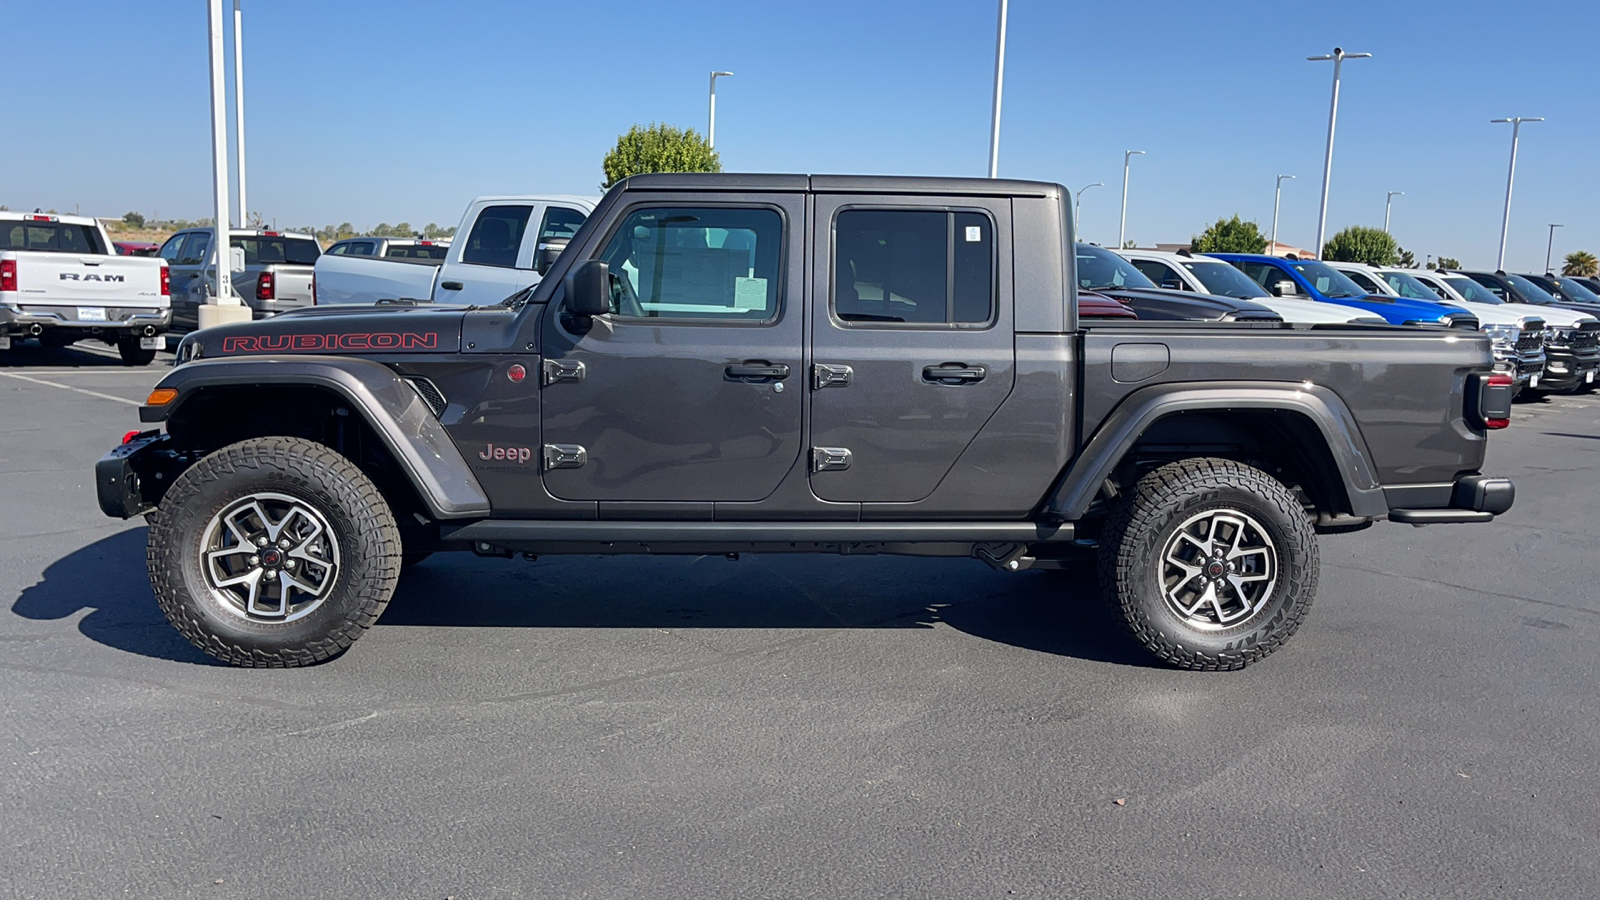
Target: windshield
x=1531, y=291
x=1327, y=282
x=1470, y=290
x=1407, y=286
x=52, y=237
x=1577, y=291
x=265, y=251
x=1099, y=268
x=1221, y=278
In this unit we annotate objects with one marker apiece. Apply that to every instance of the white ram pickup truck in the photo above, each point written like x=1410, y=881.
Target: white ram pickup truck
x=61, y=282
x=510, y=242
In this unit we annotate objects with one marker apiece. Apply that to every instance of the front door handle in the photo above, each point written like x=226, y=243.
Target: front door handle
x=953, y=373
x=757, y=370
x=450, y=285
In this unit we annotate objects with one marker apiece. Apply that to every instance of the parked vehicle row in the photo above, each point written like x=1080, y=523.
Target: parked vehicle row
x=270, y=271
x=61, y=282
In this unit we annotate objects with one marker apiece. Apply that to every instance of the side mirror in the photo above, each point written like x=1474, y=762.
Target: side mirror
x=588, y=289
x=547, y=253
x=1284, y=288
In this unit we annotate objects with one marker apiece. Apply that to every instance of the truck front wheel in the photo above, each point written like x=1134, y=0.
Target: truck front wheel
x=273, y=552
x=1211, y=564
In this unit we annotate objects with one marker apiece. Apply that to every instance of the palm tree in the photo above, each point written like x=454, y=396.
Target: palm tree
x=1581, y=264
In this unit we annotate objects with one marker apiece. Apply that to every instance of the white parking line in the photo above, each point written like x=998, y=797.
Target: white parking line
x=68, y=387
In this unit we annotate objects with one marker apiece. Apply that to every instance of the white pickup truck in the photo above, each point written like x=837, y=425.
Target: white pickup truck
x=510, y=242
x=61, y=282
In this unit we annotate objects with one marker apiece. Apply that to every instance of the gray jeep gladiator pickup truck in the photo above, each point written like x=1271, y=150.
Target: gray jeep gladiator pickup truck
x=789, y=363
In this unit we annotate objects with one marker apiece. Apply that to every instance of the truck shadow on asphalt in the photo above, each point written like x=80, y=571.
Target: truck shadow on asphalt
x=30, y=355
x=1054, y=613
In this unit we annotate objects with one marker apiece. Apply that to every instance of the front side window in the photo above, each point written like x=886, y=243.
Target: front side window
x=496, y=236
x=1530, y=291
x=169, y=250
x=194, y=252
x=1438, y=289
x=1327, y=281
x=1362, y=281
x=1476, y=288
x=1099, y=269
x=1162, y=274
x=560, y=223
x=697, y=263
x=1576, y=291
x=1224, y=280
x=1409, y=287
x=913, y=267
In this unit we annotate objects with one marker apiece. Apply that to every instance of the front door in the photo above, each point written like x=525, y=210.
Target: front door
x=912, y=347
x=691, y=389
x=494, y=261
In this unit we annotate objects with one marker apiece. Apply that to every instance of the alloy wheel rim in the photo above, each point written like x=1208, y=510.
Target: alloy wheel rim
x=269, y=557
x=1218, y=569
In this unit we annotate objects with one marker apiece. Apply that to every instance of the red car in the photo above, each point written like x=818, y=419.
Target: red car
x=1099, y=306
x=135, y=248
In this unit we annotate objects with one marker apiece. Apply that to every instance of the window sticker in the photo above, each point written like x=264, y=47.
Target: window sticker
x=750, y=293
x=974, y=232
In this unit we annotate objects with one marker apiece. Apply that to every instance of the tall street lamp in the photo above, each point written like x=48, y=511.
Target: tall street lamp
x=1077, y=209
x=1386, y=203
x=1511, y=174
x=1338, y=56
x=1277, y=194
x=1548, y=245
x=238, y=109
x=711, y=124
x=999, y=80
x=1122, y=229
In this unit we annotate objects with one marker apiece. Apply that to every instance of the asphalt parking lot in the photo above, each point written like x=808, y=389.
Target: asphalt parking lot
x=797, y=727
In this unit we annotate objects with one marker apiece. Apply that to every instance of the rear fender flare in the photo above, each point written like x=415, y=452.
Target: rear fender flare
x=394, y=410
x=1075, y=490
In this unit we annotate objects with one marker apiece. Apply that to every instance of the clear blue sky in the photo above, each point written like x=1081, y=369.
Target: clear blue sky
x=368, y=111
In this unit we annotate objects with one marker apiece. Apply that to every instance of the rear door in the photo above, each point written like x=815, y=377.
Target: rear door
x=691, y=389
x=496, y=258
x=912, y=340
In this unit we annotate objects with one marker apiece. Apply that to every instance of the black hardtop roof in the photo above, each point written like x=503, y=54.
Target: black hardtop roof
x=841, y=184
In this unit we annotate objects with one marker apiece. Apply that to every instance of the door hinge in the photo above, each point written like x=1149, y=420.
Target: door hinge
x=824, y=375
x=564, y=456
x=829, y=459
x=554, y=370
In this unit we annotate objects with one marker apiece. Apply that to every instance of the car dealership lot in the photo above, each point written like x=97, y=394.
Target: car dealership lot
x=797, y=726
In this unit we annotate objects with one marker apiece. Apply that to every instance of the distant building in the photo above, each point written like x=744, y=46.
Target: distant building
x=1278, y=248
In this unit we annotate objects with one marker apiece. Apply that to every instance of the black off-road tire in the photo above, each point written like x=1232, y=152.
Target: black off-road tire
x=356, y=513
x=132, y=354
x=1136, y=538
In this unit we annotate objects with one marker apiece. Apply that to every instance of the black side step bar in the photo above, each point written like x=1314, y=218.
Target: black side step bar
x=496, y=531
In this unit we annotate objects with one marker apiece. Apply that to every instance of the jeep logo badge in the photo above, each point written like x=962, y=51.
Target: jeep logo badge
x=510, y=454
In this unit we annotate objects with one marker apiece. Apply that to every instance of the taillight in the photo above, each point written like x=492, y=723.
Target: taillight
x=166, y=282
x=264, y=287
x=8, y=274
x=1497, y=415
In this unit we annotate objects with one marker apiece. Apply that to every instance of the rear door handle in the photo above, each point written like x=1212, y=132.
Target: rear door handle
x=757, y=370
x=450, y=285
x=953, y=373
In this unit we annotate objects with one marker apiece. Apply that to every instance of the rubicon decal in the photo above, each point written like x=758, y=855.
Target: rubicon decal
x=311, y=343
x=510, y=454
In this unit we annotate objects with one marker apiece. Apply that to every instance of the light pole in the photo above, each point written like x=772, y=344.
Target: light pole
x=1548, y=245
x=221, y=290
x=1386, y=202
x=1122, y=229
x=1338, y=56
x=1077, y=209
x=1511, y=174
x=1277, y=194
x=711, y=124
x=999, y=80
x=238, y=109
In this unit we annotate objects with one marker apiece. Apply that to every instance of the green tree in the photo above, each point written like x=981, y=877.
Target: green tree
x=1230, y=236
x=403, y=230
x=1448, y=262
x=1361, y=244
x=133, y=219
x=1581, y=264
x=658, y=148
x=1405, y=259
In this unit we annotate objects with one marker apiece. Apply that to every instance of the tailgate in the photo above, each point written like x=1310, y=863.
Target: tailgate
x=293, y=283
x=70, y=279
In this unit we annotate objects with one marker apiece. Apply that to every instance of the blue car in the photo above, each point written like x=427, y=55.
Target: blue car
x=1312, y=279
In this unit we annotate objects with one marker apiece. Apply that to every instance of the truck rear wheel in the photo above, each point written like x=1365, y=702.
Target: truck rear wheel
x=273, y=552
x=1209, y=563
x=132, y=354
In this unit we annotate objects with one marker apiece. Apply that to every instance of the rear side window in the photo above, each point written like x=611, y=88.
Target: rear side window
x=496, y=236
x=560, y=223
x=697, y=263
x=50, y=237
x=266, y=251
x=913, y=267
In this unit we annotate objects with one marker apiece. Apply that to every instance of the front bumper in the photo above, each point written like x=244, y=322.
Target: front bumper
x=1527, y=367
x=132, y=478
x=1566, y=368
x=1475, y=498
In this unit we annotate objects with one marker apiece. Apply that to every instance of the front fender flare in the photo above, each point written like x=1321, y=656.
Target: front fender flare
x=1078, y=485
x=391, y=407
